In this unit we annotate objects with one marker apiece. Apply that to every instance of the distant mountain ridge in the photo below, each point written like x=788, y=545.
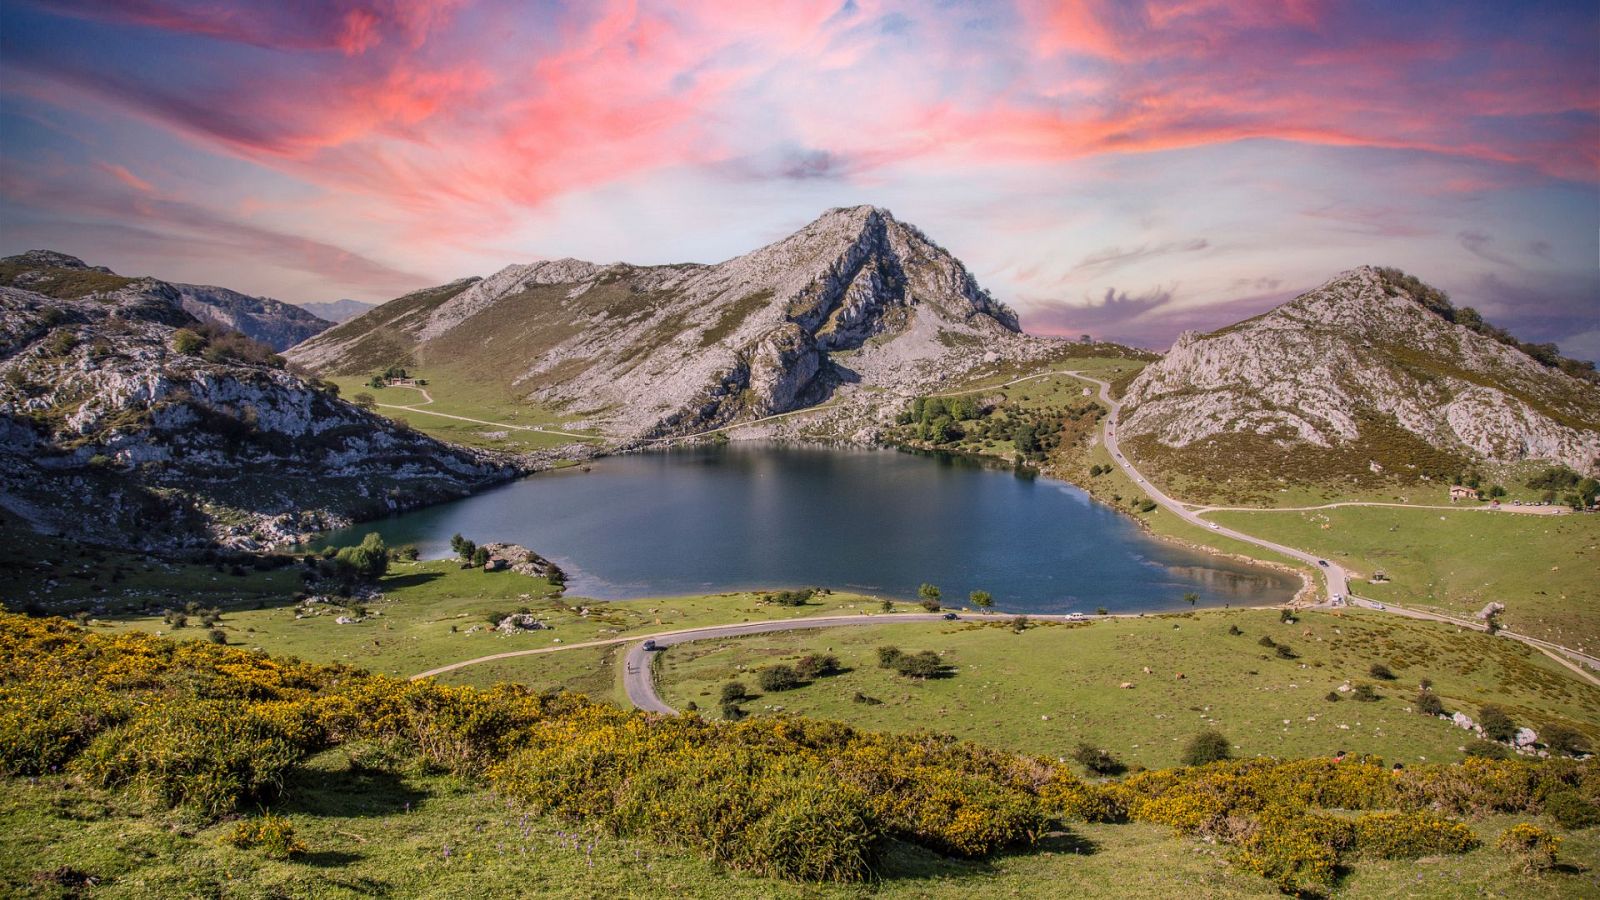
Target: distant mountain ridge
x=856, y=298
x=121, y=423
x=1366, y=375
x=277, y=324
x=338, y=310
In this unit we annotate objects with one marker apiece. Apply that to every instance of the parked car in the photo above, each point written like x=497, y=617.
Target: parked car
x=951, y=616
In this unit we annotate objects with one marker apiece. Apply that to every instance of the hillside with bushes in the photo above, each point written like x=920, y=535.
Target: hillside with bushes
x=215, y=738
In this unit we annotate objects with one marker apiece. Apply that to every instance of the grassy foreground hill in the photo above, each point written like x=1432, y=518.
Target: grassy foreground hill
x=137, y=766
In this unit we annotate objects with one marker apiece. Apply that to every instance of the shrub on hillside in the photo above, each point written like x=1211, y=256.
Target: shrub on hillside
x=888, y=656
x=1365, y=693
x=273, y=835
x=1497, y=723
x=1407, y=835
x=923, y=665
x=1206, y=747
x=733, y=692
x=1298, y=852
x=1570, y=810
x=208, y=756
x=1380, y=671
x=817, y=665
x=778, y=678
x=1532, y=849
x=1429, y=704
x=1267, y=641
x=1561, y=738
x=1098, y=760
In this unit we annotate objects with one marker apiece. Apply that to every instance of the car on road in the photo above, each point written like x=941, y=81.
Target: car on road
x=1323, y=563
x=650, y=645
x=1076, y=617
x=1215, y=525
x=1379, y=606
x=949, y=616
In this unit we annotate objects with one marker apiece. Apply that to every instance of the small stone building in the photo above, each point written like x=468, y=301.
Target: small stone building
x=1459, y=492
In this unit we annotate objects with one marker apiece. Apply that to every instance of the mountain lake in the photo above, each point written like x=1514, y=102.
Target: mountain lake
x=878, y=522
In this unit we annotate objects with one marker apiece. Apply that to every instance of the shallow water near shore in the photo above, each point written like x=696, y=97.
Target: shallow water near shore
x=741, y=516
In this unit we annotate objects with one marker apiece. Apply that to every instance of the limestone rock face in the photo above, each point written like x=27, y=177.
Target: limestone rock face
x=854, y=298
x=1358, y=357
x=278, y=325
x=109, y=432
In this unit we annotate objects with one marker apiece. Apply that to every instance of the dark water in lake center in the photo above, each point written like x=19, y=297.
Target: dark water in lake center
x=882, y=522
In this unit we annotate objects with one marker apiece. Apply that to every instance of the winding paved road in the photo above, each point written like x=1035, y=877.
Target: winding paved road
x=1337, y=581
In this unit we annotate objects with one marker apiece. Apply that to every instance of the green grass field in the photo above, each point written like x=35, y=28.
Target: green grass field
x=1541, y=567
x=474, y=400
x=432, y=612
x=372, y=834
x=1051, y=686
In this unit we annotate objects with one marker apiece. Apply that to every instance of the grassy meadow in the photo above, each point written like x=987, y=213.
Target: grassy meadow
x=1542, y=568
x=1051, y=686
x=455, y=396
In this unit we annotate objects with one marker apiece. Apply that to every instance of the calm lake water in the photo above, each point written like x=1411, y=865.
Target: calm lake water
x=874, y=521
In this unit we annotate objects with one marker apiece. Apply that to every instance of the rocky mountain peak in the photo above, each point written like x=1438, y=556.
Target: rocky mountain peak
x=51, y=259
x=1372, y=370
x=674, y=348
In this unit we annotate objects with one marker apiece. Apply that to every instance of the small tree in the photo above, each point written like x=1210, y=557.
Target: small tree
x=368, y=560
x=1101, y=611
x=888, y=656
x=981, y=599
x=365, y=401
x=931, y=605
x=733, y=692
x=1191, y=598
x=480, y=557
x=1206, y=747
x=929, y=592
x=887, y=606
x=1019, y=624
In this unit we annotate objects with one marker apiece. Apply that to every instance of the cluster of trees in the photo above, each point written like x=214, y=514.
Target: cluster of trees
x=393, y=373
x=792, y=598
x=471, y=554
x=1575, y=490
x=963, y=419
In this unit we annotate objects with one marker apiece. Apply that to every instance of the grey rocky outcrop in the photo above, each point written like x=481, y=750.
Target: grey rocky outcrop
x=1359, y=353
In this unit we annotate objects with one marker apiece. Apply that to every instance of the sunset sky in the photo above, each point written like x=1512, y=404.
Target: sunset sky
x=1120, y=168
